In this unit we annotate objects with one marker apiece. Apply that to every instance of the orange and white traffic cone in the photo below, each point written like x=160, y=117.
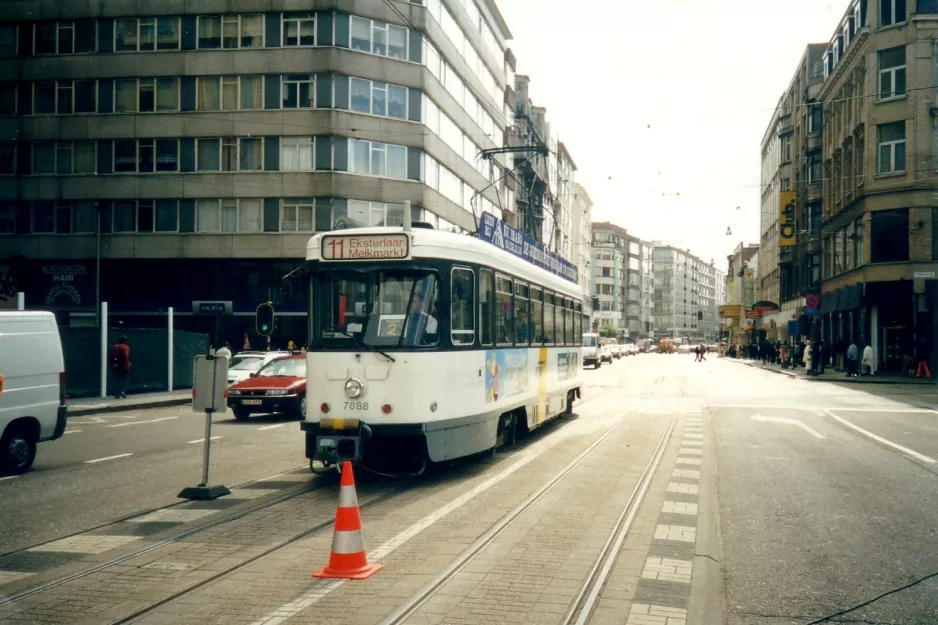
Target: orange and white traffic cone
x=348, y=559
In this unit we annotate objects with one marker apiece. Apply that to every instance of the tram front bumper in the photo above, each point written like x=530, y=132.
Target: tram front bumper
x=335, y=440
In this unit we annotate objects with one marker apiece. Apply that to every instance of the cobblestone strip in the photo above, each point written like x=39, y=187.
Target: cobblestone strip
x=663, y=592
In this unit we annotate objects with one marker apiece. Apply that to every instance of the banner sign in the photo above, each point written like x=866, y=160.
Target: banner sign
x=787, y=233
x=495, y=231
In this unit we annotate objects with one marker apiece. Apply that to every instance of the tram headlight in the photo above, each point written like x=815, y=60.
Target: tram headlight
x=354, y=388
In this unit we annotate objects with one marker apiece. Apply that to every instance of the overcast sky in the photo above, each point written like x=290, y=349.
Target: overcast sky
x=667, y=97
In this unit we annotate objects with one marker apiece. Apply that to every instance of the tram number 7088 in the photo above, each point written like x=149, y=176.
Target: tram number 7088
x=356, y=405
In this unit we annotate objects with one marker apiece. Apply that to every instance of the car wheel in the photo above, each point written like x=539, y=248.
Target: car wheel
x=241, y=414
x=17, y=450
x=301, y=408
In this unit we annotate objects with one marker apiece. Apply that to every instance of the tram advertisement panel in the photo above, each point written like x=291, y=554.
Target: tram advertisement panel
x=567, y=365
x=506, y=373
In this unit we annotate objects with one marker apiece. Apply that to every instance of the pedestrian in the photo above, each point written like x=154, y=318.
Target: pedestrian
x=852, y=355
x=806, y=358
x=224, y=350
x=703, y=353
x=120, y=367
x=867, y=362
x=840, y=349
x=821, y=356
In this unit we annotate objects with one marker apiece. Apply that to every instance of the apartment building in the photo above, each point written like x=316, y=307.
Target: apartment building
x=879, y=216
x=790, y=245
x=581, y=239
x=685, y=295
x=740, y=293
x=623, y=281
x=195, y=151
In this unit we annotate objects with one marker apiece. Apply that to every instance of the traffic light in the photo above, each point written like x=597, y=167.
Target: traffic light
x=264, y=319
x=699, y=315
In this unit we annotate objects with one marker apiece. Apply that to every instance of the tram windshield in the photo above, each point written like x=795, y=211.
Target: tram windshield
x=378, y=308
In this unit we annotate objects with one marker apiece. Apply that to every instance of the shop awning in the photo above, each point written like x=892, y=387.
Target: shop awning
x=849, y=297
x=828, y=302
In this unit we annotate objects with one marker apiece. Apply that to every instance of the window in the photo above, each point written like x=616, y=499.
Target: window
x=486, y=295
x=891, y=12
x=208, y=93
x=251, y=153
x=503, y=311
x=8, y=94
x=229, y=154
x=814, y=218
x=522, y=321
x=549, y=334
x=296, y=154
x=858, y=243
x=146, y=155
x=299, y=29
x=146, y=34
x=242, y=31
x=207, y=216
x=125, y=95
x=7, y=157
x=157, y=94
x=228, y=215
x=167, y=154
x=252, y=93
x=891, y=147
x=230, y=93
x=296, y=216
x=379, y=98
x=209, y=31
x=892, y=73
x=813, y=166
x=64, y=157
x=43, y=217
x=462, y=307
x=379, y=38
x=376, y=213
x=378, y=159
x=815, y=117
x=86, y=96
x=568, y=322
x=7, y=50
x=44, y=98
x=65, y=37
x=124, y=216
x=167, y=216
x=889, y=236
x=44, y=157
x=298, y=91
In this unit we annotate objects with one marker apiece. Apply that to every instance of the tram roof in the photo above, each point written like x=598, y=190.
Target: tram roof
x=426, y=243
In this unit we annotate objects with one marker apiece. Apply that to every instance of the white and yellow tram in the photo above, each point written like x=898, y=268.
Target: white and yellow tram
x=428, y=345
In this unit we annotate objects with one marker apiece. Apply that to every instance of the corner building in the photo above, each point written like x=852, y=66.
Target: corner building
x=197, y=150
x=880, y=221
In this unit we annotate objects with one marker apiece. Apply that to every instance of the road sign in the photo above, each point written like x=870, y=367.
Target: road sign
x=928, y=275
x=211, y=308
x=811, y=312
x=811, y=301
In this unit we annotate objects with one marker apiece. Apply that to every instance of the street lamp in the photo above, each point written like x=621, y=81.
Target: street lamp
x=97, y=268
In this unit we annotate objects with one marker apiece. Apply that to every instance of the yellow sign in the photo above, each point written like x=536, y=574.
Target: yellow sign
x=729, y=311
x=787, y=227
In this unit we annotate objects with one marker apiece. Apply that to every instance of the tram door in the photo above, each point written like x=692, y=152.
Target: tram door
x=541, y=385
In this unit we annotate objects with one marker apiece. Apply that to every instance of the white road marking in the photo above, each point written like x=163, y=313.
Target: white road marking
x=171, y=515
x=120, y=425
x=680, y=533
x=272, y=427
x=882, y=440
x=679, y=507
x=648, y=614
x=812, y=432
x=805, y=408
x=667, y=570
x=71, y=431
x=680, y=487
x=202, y=440
x=107, y=458
x=85, y=543
x=321, y=590
x=9, y=477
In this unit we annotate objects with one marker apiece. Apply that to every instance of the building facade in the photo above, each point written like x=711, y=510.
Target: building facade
x=685, y=295
x=790, y=246
x=581, y=237
x=740, y=293
x=879, y=216
x=195, y=153
x=624, y=281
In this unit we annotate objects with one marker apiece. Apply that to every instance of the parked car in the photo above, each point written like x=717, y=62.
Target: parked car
x=616, y=350
x=277, y=387
x=243, y=364
x=591, y=350
x=605, y=354
x=32, y=387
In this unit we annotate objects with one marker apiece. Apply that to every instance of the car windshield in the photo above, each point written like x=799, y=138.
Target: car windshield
x=589, y=341
x=379, y=308
x=289, y=367
x=247, y=363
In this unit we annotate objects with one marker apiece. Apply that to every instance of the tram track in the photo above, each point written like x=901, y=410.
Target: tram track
x=588, y=594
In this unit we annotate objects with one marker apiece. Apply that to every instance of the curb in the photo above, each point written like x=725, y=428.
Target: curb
x=864, y=380
x=80, y=411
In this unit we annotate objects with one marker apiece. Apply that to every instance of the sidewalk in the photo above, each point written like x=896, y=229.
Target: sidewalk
x=830, y=375
x=91, y=405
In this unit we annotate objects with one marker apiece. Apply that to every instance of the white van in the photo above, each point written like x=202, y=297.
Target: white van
x=32, y=387
x=591, y=350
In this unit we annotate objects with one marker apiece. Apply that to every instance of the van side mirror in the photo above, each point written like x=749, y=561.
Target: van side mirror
x=254, y=374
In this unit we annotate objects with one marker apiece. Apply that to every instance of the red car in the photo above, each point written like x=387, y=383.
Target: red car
x=278, y=386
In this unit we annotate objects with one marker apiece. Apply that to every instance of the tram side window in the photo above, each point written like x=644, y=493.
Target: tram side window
x=522, y=319
x=462, y=307
x=486, y=296
x=568, y=322
x=577, y=324
x=537, y=315
x=503, y=311
x=548, y=318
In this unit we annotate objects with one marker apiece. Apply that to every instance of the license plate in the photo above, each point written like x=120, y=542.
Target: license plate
x=326, y=442
x=250, y=402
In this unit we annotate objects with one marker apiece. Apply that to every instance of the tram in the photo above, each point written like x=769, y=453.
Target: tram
x=427, y=346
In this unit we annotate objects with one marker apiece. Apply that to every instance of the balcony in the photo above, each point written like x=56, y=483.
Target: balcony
x=814, y=142
x=814, y=192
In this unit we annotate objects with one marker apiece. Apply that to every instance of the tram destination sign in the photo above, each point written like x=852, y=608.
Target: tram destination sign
x=355, y=247
x=495, y=231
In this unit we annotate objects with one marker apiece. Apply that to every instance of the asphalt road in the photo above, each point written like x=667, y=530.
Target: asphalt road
x=111, y=466
x=826, y=502
x=824, y=496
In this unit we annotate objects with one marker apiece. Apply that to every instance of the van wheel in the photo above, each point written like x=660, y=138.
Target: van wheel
x=301, y=408
x=241, y=414
x=17, y=450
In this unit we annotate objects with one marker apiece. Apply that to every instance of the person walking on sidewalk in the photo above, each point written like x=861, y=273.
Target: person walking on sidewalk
x=806, y=357
x=867, y=362
x=224, y=350
x=702, y=351
x=852, y=355
x=120, y=366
